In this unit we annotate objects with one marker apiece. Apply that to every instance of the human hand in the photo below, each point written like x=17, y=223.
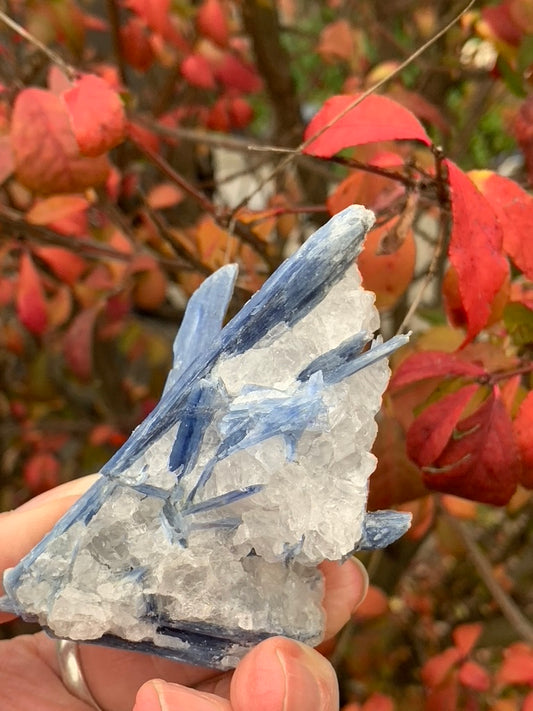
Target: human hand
x=279, y=674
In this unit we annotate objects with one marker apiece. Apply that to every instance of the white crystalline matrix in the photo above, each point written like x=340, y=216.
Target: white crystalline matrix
x=203, y=534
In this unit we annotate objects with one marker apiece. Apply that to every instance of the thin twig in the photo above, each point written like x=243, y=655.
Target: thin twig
x=15, y=226
x=522, y=626
x=71, y=72
x=198, y=196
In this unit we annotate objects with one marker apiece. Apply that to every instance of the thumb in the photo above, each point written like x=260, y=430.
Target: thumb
x=158, y=695
x=282, y=675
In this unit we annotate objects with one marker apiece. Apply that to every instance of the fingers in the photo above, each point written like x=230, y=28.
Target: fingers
x=23, y=528
x=277, y=675
x=346, y=586
x=282, y=675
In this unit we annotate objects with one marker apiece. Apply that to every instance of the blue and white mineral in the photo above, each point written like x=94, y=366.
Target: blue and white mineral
x=203, y=534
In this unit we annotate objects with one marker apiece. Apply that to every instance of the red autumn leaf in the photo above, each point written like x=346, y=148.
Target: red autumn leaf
x=64, y=263
x=78, y=343
x=517, y=666
x=219, y=118
x=475, y=250
x=41, y=472
x=135, y=45
x=436, y=669
x=523, y=432
x=336, y=43
x=377, y=118
x=430, y=432
x=480, y=462
x=6, y=158
x=514, y=209
x=235, y=74
x=421, y=107
x=155, y=13
x=197, y=71
x=445, y=697
x=433, y=364
x=106, y=434
x=527, y=704
x=240, y=112
x=96, y=131
x=501, y=22
x=211, y=22
x=466, y=636
x=56, y=208
x=474, y=676
x=31, y=304
x=47, y=157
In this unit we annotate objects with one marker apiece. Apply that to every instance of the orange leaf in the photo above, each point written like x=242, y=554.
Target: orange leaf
x=57, y=207
x=523, y=432
x=31, y=304
x=64, y=263
x=396, y=478
x=377, y=118
x=436, y=669
x=466, y=636
x=96, y=131
x=47, y=158
x=387, y=275
x=517, y=667
x=475, y=250
x=212, y=242
x=374, y=605
x=336, y=43
x=164, y=195
x=474, y=676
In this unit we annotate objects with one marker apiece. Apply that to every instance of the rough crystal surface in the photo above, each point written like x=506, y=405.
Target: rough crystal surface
x=203, y=534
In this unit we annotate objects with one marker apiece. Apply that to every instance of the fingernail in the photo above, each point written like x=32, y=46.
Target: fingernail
x=158, y=695
x=310, y=681
x=366, y=582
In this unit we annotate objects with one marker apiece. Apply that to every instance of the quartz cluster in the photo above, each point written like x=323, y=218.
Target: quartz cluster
x=203, y=534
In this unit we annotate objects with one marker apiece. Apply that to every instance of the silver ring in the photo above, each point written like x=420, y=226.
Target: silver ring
x=68, y=656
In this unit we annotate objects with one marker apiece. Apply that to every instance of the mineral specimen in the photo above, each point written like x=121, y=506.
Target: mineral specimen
x=204, y=532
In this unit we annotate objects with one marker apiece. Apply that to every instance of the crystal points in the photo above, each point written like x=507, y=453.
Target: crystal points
x=204, y=532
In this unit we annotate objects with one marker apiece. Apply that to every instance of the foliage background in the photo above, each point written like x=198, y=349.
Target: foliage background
x=119, y=195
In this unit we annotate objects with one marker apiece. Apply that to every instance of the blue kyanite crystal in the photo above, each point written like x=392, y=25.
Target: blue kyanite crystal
x=204, y=532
